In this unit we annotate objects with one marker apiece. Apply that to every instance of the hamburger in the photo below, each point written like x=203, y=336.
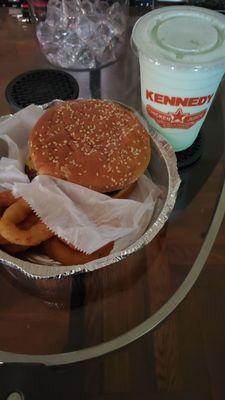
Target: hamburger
x=94, y=143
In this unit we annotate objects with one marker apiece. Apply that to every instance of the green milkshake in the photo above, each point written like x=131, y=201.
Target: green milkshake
x=181, y=52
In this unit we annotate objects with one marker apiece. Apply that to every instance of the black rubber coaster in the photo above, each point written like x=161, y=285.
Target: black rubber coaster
x=39, y=87
x=192, y=154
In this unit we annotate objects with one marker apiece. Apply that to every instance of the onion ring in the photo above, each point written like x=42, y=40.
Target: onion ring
x=17, y=248
x=14, y=248
x=26, y=224
x=66, y=255
x=11, y=231
x=29, y=221
x=3, y=240
x=6, y=199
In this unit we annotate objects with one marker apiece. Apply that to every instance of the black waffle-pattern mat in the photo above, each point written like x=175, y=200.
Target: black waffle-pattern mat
x=39, y=87
x=192, y=154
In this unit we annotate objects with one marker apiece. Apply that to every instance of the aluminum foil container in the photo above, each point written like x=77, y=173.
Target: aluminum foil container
x=163, y=171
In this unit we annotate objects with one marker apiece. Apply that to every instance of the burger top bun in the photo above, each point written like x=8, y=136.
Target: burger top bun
x=94, y=143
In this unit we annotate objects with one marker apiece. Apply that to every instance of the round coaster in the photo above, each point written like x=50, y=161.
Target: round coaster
x=39, y=87
x=192, y=154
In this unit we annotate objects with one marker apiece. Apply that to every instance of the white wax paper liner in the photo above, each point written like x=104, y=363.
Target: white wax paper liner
x=84, y=218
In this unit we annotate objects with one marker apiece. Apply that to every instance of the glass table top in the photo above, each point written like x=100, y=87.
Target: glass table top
x=85, y=316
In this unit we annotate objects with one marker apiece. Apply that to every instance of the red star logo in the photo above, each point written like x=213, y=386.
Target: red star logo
x=178, y=115
x=177, y=119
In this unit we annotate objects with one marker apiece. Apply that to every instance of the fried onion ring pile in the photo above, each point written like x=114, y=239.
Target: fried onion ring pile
x=22, y=230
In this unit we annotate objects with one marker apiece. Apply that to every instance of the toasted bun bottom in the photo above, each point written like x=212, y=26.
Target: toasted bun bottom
x=123, y=193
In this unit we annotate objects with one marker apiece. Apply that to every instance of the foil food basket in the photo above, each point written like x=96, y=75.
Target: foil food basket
x=163, y=171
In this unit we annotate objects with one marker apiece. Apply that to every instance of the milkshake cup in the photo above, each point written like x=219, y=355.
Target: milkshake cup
x=181, y=53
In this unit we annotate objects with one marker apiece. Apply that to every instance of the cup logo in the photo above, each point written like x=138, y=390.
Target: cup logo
x=179, y=118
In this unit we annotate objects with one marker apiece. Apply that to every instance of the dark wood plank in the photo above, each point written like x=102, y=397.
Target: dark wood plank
x=34, y=316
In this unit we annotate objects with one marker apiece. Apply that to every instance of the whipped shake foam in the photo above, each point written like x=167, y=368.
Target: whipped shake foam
x=181, y=52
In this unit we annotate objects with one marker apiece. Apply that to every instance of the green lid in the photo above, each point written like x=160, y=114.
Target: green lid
x=181, y=36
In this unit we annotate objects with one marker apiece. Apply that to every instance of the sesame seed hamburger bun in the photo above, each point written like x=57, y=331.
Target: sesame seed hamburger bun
x=94, y=143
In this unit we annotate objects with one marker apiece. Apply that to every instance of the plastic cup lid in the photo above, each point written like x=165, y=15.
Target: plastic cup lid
x=181, y=36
